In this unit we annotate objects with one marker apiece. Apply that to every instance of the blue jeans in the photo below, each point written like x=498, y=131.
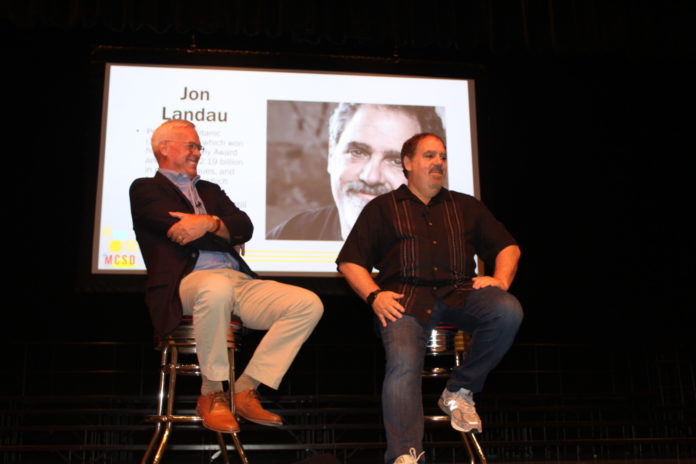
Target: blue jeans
x=492, y=317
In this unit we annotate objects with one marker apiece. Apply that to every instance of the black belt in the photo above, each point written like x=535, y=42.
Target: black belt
x=458, y=283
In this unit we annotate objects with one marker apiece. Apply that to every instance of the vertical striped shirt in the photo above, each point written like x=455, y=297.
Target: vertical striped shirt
x=427, y=252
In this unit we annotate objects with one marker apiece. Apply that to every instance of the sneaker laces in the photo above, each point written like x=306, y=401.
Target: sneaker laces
x=412, y=454
x=415, y=457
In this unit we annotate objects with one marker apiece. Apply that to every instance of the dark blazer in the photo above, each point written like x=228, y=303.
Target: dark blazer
x=167, y=262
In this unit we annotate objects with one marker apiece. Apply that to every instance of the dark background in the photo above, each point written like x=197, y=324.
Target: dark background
x=585, y=129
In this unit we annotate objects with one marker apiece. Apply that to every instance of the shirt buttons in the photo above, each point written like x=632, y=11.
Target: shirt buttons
x=428, y=311
x=434, y=242
x=435, y=268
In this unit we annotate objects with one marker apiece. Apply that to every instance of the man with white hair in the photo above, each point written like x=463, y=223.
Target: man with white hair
x=188, y=231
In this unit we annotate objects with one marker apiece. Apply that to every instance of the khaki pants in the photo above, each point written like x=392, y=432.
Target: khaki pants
x=289, y=314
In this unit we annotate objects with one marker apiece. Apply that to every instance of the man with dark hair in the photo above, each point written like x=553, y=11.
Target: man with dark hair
x=423, y=238
x=188, y=231
x=363, y=162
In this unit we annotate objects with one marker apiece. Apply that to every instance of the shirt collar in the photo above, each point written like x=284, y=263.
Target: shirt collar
x=178, y=178
x=403, y=193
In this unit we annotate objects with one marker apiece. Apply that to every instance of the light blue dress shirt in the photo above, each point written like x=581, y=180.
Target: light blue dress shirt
x=206, y=259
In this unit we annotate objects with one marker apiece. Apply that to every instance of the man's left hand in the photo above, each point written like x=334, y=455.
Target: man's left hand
x=189, y=228
x=487, y=281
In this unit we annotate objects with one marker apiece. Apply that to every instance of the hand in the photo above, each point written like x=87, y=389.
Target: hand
x=190, y=227
x=387, y=307
x=487, y=281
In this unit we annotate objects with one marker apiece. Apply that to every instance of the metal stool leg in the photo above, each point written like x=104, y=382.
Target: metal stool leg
x=168, y=378
x=223, y=449
x=167, y=386
x=448, y=340
x=237, y=442
x=173, y=360
x=165, y=437
x=160, y=406
x=235, y=438
x=239, y=448
x=473, y=448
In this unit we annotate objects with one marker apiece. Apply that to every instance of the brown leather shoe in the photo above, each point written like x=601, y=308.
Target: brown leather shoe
x=247, y=405
x=214, y=409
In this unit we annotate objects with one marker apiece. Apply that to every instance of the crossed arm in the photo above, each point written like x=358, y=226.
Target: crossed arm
x=156, y=209
x=191, y=227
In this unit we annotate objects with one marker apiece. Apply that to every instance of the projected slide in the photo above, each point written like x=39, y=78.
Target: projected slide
x=299, y=152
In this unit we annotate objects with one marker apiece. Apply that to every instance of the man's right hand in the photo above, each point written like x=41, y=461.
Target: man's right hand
x=387, y=307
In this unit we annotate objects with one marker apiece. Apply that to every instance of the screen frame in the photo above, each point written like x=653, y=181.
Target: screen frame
x=102, y=56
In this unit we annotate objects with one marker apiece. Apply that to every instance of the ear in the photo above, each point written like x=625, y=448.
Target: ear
x=162, y=149
x=407, y=163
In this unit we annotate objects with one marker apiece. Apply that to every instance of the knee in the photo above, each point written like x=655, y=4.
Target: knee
x=315, y=307
x=508, y=309
x=404, y=367
x=404, y=349
x=309, y=306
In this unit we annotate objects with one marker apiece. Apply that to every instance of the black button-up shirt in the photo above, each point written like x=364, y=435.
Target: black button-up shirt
x=426, y=252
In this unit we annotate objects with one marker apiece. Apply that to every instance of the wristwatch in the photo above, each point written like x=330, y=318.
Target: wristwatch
x=371, y=297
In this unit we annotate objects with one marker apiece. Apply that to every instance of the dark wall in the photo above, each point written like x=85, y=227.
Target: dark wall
x=585, y=144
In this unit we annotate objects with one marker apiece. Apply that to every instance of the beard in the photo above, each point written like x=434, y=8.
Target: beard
x=352, y=203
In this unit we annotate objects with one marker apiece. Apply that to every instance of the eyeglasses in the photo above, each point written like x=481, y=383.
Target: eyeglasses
x=190, y=146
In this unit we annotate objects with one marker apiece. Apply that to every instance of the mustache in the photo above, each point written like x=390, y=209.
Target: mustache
x=359, y=186
x=439, y=169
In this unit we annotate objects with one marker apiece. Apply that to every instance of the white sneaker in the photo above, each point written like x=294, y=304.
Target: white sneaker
x=460, y=407
x=410, y=458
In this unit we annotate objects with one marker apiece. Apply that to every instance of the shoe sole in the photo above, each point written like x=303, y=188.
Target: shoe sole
x=261, y=422
x=214, y=429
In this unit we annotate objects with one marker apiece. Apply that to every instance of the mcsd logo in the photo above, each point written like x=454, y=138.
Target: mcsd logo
x=120, y=260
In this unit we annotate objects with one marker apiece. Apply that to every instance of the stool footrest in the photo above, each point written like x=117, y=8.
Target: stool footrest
x=173, y=418
x=437, y=418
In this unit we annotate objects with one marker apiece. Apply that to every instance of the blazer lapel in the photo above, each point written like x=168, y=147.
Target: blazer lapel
x=168, y=184
x=207, y=197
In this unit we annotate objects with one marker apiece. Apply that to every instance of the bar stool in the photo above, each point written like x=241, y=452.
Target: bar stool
x=181, y=342
x=445, y=340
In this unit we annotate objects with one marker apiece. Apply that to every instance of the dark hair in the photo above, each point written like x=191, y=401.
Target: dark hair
x=427, y=118
x=410, y=145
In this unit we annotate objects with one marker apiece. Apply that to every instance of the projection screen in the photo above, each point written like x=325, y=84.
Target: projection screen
x=277, y=143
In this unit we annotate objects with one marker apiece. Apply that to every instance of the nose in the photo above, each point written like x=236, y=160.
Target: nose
x=371, y=173
x=440, y=162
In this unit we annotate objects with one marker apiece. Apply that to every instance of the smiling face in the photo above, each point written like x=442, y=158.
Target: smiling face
x=179, y=150
x=365, y=161
x=427, y=168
